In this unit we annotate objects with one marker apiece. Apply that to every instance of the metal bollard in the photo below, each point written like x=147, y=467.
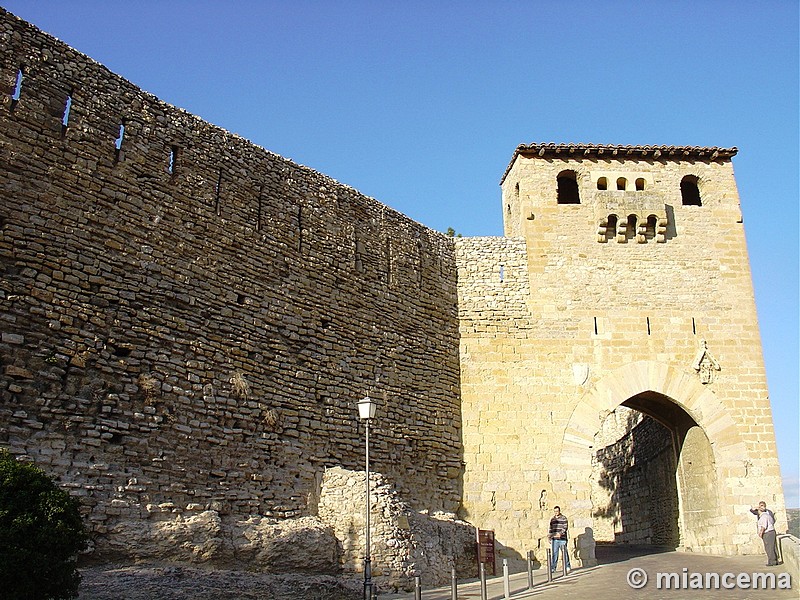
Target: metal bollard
x=506, y=582
x=453, y=584
x=564, y=559
x=530, y=569
x=482, y=569
x=549, y=565
x=417, y=588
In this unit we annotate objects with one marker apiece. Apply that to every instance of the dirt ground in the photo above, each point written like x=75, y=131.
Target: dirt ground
x=154, y=582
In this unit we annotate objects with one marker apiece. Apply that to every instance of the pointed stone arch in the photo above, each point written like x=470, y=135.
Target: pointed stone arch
x=683, y=388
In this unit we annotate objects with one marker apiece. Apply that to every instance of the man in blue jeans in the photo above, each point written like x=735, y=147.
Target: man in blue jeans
x=558, y=536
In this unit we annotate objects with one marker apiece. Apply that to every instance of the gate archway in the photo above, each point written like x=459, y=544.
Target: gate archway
x=654, y=479
x=705, y=443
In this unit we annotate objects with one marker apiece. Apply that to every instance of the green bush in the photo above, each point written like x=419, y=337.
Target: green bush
x=41, y=533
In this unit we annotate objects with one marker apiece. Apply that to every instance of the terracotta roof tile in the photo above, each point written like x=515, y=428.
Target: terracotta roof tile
x=618, y=151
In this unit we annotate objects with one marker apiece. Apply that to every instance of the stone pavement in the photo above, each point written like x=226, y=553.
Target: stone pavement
x=608, y=580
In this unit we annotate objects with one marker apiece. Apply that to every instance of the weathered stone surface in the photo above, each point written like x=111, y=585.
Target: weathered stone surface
x=204, y=538
x=149, y=581
x=196, y=538
x=303, y=545
x=404, y=542
x=189, y=319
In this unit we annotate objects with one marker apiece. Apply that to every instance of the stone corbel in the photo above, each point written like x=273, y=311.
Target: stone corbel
x=661, y=231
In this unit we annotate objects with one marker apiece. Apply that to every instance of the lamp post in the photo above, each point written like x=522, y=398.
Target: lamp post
x=366, y=412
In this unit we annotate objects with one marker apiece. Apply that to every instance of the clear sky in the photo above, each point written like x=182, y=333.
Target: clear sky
x=420, y=104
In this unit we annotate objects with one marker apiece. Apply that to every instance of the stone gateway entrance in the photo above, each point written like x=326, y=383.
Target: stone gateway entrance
x=658, y=483
x=610, y=359
x=654, y=476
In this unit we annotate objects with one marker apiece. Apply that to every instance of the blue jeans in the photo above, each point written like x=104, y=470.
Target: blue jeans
x=556, y=550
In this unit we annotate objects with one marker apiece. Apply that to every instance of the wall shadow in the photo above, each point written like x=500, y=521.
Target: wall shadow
x=636, y=498
x=607, y=553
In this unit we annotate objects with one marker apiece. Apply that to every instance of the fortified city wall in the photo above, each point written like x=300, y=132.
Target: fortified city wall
x=188, y=321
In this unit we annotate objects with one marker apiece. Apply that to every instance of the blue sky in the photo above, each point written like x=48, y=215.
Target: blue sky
x=420, y=104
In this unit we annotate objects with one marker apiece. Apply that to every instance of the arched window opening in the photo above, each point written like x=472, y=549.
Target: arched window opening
x=622, y=184
x=568, y=188
x=630, y=229
x=611, y=228
x=690, y=192
x=650, y=229
x=640, y=184
x=602, y=183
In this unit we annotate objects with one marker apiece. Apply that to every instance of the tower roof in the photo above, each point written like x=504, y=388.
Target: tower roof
x=618, y=151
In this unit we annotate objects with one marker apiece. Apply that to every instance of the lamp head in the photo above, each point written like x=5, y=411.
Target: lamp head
x=366, y=408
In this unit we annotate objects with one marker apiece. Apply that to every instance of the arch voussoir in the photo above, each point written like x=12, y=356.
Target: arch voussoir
x=679, y=387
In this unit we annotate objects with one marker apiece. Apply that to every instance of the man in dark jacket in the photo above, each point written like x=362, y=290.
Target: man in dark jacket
x=559, y=528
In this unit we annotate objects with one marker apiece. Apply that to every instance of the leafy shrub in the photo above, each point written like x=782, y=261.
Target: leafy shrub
x=41, y=533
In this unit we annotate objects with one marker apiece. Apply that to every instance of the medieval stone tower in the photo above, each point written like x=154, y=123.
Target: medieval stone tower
x=187, y=321
x=610, y=353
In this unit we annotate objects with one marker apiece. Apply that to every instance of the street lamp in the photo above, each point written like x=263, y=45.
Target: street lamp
x=366, y=412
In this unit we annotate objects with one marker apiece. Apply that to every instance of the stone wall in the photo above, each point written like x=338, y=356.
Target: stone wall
x=635, y=496
x=188, y=319
x=593, y=314
x=407, y=542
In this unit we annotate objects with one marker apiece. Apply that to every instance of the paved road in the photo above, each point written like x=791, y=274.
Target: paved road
x=608, y=581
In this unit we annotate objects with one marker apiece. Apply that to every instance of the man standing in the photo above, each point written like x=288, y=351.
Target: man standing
x=558, y=536
x=762, y=505
x=766, y=531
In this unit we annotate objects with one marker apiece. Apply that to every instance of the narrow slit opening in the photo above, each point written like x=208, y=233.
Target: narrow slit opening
x=65, y=116
x=118, y=143
x=300, y=228
x=388, y=254
x=173, y=159
x=260, y=208
x=15, y=95
x=217, y=189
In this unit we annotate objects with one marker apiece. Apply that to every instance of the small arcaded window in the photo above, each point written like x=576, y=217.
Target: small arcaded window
x=652, y=227
x=622, y=184
x=640, y=184
x=602, y=183
x=568, y=188
x=611, y=228
x=630, y=229
x=690, y=193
